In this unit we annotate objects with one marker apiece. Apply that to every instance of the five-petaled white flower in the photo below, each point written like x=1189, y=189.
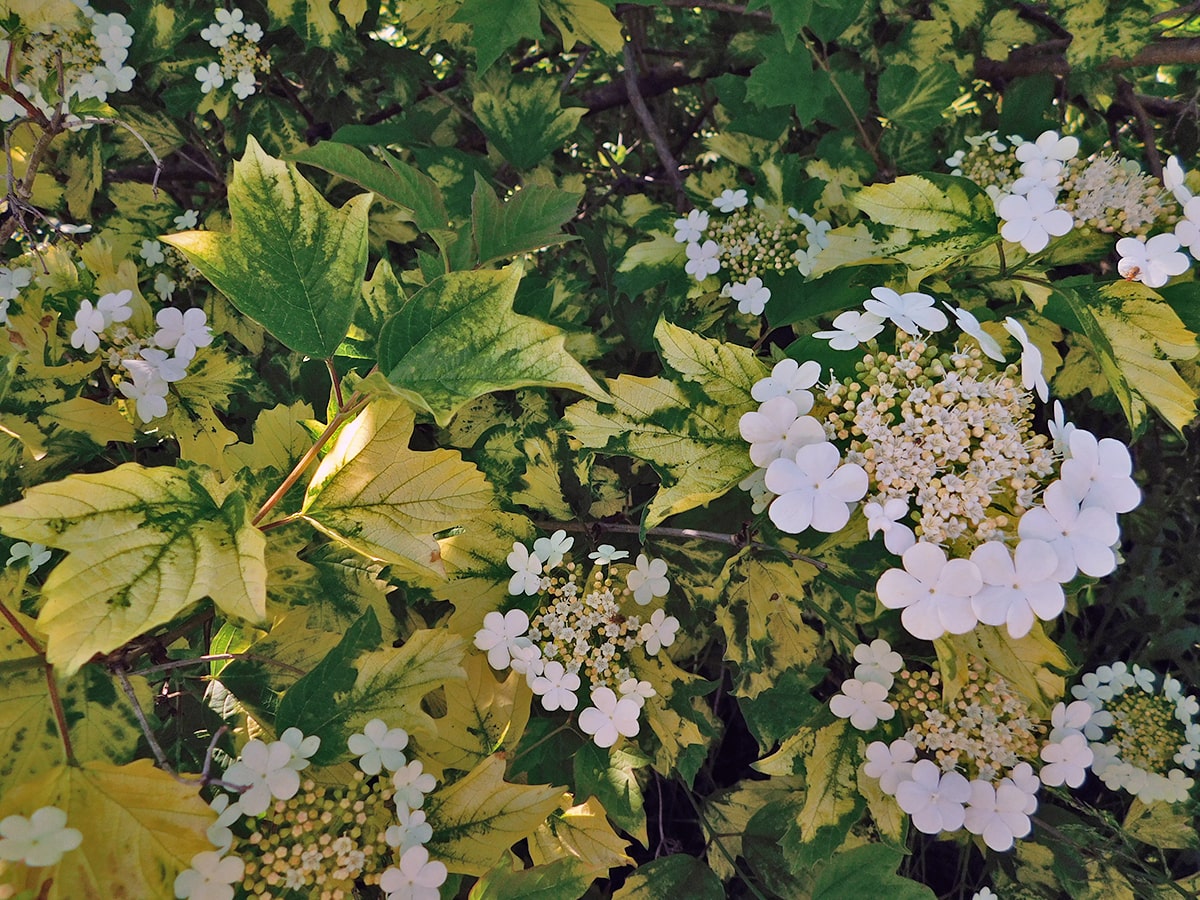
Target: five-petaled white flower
x=1031, y=220
x=550, y=550
x=527, y=571
x=210, y=77
x=1018, y=586
x=37, y=554
x=659, y=632
x=1153, y=262
x=935, y=593
x=1187, y=229
x=864, y=703
x=607, y=554
x=751, y=297
x=379, y=747
x=850, y=329
x=702, y=259
x=934, y=799
x=1175, y=180
x=263, y=769
x=790, y=379
x=417, y=877
x=984, y=893
x=911, y=312
x=211, y=877
x=146, y=388
x=410, y=830
x=885, y=517
x=89, y=323
x=997, y=814
x=814, y=489
x=556, y=686
x=245, y=84
x=40, y=840
x=502, y=635
x=412, y=783
x=648, y=580
x=970, y=326
x=730, y=200
x=691, y=229
x=1032, y=377
x=891, y=763
x=182, y=331
x=13, y=280
x=608, y=718
x=169, y=368
x=115, y=306
x=877, y=661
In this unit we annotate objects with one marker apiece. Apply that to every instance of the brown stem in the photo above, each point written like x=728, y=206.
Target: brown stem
x=718, y=6
x=337, y=384
x=1126, y=96
x=1050, y=57
x=657, y=138
x=60, y=716
x=215, y=657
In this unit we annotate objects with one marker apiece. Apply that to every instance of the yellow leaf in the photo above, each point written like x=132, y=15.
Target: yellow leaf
x=585, y=22
x=682, y=744
x=1164, y=825
x=542, y=486
x=485, y=716
x=726, y=372
x=140, y=828
x=99, y=421
x=352, y=11
x=583, y=833
x=386, y=501
x=831, y=776
x=312, y=19
x=730, y=811
x=889, y=818
x=478, y=817
x=332, y=586
x=789, y=758
x=202, y=436
x=142, y=545
x=1033, y=665
x=36, y=15
x=279, y=439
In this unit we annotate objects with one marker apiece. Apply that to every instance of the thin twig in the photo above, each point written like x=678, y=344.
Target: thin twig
x=661, y=147
x=1126, y=95
x=158, y=163
x=216, y=657
x=337, y=383
x=574, y=70
x=868, y=144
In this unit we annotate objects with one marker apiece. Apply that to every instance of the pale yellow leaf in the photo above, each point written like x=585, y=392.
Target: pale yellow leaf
x=831, y=776
x=582, y=832
x=1033, y=665
x=279, y=439
x=99, y=421
x=730, y=811
x=586, y=22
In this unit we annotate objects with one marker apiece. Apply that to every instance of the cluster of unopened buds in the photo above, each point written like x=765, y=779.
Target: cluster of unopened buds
x=284, y=836
x=751, y=240
x=174, y=269
x=581, y=632
x=241, y=60
x=994, y=534
x=1043, y=189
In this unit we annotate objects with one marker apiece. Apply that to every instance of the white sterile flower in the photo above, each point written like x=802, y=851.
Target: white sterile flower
x=151, y=252
x=527, y=572
x=1032, y=377
x=89, y=323
x=1144, y=678
x=1023, y=777
x=730, y=200
x=850, y=329
x=115, y=307
x=607, y=554
x=218, y=833
x=1066, y=761
x=164, y=286
x=253, y=32
x=1153, y=262
x=935, y=593
x=702, y=259
x=607, y=717
x=1082, y=538
x=877, y=661
x=1069, y=718
x=864, y=703
x=984, y=893
x=1099, y=473
x=502, y=635
x=1033, y=219
x=263, y=769
x=302, y=747
x=997, y=814
x=933, y=799
x=246, y=84
x=1187, y=229
x=412, y=783
x=186, y=219
x=1018, y=586
x=970, y=326
x=911, y=312
x=1175, y=180
x=37, y=554
x=182, y=331
x=146, y=388
x=214, y=35
x=691, y=229
x=40, y=840
x=526, y=659
x=885, y=517
x=775, y=431
x=169, y=368
x=417, y=878
x=12, y=281
x=891, y=763
x=211, y=877
x=648, y=580
x=550, y=550
x=790, y=379
x=814, y=490
x=231, y=21
x=637, y=691
x=379, y=747
x=751, y=297
x=659, y=632
x=410, y=830
x=1061, y=431
x=1043, y=159
x=556, y=686
x=756, y=485
x=210, y=77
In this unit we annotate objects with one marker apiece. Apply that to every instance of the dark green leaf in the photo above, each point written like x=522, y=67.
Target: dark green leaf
x=529, y=220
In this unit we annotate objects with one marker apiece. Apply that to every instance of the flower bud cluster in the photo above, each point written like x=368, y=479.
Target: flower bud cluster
x=240, y=61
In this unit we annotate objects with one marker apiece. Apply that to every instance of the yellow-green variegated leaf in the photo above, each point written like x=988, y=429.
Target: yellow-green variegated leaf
x=279, y=439
x=142, y=545
x=459, y=338
x=523, y=118
x=478, y=817
x=314, y=20
x=1033, y=665
x=696, y=449
x=725, y=372
x=832, y=801
x=140, y=828
x=292, y=261
x=586, y=22
x=374, y=494
x=730, y=811
x=582, y=833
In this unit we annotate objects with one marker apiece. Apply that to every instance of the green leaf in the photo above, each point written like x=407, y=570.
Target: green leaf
x=142, y=546
x=611, y=777
x=459, y=338
x=397, y=182
x=832, y=801
x=523, y=119
x=314, y=20
x=679, y=875
x=778, y=80
x=562, y=879
x=867, y=871
x=725, y=372
x=529, y=220
x=497, y=25
x=292, y=262
x=916, y=98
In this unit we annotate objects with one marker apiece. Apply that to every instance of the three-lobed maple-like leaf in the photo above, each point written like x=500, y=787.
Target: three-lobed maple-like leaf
x=386, y=501
x=459, y=338
x=582, y=833
x=143, y=544
x=292, y=261
x=140, y=828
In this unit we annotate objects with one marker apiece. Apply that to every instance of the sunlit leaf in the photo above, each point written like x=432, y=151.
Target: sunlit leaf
x=581, y=833
x=1033, y=665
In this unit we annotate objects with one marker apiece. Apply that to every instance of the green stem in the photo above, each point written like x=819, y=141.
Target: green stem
x=712, y=836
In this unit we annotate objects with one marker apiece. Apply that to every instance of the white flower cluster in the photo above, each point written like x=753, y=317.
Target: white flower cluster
x=92, y=48
x=993, y=536
x=1043, y=190
x=241, y=59
x=750, y=241
x=1143, y=731
x=154, y=254
x=581, y=632
x=145, y=366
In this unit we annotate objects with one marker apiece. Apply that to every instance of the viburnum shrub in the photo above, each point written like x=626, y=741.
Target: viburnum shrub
x=585, y=449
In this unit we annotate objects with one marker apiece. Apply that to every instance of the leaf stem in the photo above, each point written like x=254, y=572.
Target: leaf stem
x=60, y=716
x=215, y=657
x=712, y=836
x=337, y=384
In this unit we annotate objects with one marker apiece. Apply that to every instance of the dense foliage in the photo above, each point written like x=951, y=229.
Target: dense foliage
x=579, y=448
